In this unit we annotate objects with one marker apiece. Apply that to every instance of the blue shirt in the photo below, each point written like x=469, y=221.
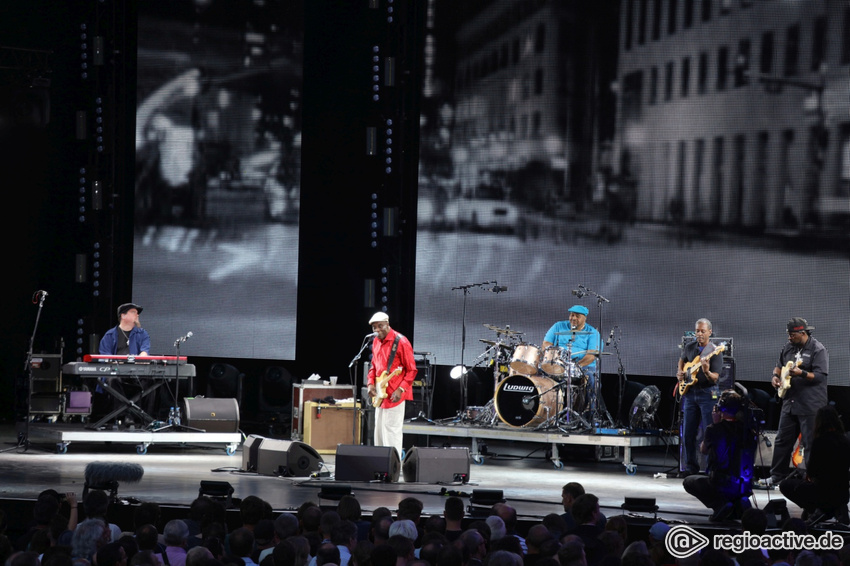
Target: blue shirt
x=139, y=341
x=581, y=343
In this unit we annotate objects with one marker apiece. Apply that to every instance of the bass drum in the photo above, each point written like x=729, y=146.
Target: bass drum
x=542, y=401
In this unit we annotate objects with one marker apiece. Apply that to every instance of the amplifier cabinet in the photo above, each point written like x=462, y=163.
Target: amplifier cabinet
x=308, y=391
x=326, y=425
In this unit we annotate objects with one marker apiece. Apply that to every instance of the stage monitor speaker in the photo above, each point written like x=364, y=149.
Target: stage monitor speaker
x=367, y=463
x=436, y=465
x=211, y=414
x=250, y=452
x=287, y=458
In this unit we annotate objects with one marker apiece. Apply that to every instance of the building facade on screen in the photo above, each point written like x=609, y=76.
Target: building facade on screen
x=736, y=112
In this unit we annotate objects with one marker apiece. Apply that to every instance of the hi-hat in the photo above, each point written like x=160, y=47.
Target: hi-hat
x=506, y=331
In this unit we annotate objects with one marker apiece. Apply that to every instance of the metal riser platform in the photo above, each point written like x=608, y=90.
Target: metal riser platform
x=618, y=438
x=64, y=436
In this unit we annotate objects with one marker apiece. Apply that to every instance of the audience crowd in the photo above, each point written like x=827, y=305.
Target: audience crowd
x=340, y=535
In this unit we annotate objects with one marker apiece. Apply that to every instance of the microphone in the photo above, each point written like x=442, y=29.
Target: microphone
x=527, y=401
x=579, y=292
x=371, y=335
x=498, y=289
x=183, y=338
x=610, y=337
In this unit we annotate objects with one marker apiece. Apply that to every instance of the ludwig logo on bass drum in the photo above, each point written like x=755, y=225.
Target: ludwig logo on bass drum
x=519, y=388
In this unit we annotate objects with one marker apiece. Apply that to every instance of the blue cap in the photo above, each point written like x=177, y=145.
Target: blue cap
x=578, y=309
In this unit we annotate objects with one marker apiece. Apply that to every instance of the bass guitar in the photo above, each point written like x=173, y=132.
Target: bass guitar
x=381, y=386
x=785, y=376
x=692, y=367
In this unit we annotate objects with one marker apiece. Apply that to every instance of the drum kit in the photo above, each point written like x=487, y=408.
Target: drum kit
x=534, y=388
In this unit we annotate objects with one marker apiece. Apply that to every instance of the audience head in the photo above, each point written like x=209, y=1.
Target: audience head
x=348, y=508
x=497, y=527
x=285, y=526
x=176, y=533
x=405, y=528
x=453, y=509
x=241, y=542
x=410, y=508
x=96, y=503
x=585, y=509
x=88, y=537
x=252, y=509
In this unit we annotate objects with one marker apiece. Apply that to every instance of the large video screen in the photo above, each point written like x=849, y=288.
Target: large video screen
x=218, y=175
x=626, y=156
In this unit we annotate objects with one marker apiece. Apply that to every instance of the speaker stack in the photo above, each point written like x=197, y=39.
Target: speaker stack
x=272, y=457
x=367, y=463
x=436, y=465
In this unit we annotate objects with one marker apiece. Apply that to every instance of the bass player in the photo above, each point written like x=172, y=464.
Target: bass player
x=390, y=379
x=698, y=372
x=805, y=363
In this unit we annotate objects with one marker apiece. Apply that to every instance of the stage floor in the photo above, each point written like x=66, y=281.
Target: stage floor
x=522, y=470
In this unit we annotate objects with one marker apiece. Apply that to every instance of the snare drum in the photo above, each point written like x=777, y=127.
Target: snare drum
x=543, y=400
x=525, y=359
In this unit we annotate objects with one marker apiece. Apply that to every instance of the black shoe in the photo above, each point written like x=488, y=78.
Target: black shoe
x=684, y=473
x=723, y=513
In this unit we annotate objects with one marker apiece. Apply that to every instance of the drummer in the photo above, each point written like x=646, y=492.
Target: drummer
x=575, y=334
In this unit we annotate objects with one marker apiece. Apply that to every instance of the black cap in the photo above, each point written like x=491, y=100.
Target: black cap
x=127, y=306
x=797, y=324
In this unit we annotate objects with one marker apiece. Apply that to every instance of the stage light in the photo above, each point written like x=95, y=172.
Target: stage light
x=457, y=372
x=218, y=490
x=224, y=382
x=487, y=497
x=640, y=505
x=335, y=492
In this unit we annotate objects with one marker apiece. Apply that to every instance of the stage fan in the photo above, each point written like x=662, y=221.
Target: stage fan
x=642, y=413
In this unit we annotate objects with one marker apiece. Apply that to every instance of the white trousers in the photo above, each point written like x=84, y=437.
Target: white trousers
x=388, y=427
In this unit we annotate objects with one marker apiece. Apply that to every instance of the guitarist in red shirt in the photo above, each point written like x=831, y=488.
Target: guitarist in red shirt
x=390, y=380
x=701, y=369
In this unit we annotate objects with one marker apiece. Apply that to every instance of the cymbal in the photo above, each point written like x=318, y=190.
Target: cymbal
x=506, y=331
x=494, y=343
x=573, y=332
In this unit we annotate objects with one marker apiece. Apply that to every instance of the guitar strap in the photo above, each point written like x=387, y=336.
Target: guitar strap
x=392, y=353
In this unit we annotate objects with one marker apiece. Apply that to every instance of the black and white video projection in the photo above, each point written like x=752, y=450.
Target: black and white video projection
x=620, y=148
x=218, y=175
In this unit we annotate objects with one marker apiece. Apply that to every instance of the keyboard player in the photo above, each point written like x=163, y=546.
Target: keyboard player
x=128, y=338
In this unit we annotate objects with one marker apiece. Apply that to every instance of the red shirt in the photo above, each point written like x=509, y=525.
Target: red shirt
x=403, y=357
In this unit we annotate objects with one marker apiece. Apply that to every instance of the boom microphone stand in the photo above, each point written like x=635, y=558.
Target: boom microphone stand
x=464, y=369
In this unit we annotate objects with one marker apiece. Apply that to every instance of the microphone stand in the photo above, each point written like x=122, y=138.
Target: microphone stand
x=24, y=441
x=596, y=414
x=622, y=379
x=172, y=426
x=463, y=379
x=352, y=372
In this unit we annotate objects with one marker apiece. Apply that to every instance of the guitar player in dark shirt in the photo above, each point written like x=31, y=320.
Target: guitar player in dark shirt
x=698, y=371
